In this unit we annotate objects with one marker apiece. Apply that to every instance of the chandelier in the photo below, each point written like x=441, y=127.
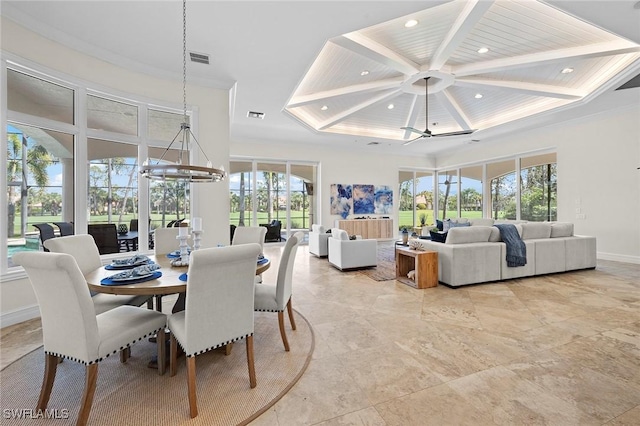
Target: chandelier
x=181, y=170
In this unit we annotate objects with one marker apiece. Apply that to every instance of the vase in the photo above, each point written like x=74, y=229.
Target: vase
x=405, y=237
x=122, y=228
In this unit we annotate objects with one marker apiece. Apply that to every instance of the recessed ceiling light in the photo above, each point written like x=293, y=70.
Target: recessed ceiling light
x=390, y=106
x=365, y=72
x=478, y=95
x=567, y=70
x=410, y=23
x=324, y=108
x=483, y=50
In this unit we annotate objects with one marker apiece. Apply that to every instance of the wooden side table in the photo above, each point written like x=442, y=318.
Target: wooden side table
x=425, y=263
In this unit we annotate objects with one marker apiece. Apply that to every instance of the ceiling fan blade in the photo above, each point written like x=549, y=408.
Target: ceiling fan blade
x=462, y=132
x=411, y=129
x=409, y=142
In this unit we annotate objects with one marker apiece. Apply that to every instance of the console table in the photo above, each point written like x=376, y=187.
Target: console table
x=425, y=263
x=368, y=228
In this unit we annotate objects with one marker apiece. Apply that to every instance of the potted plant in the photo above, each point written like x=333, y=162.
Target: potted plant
x=423, y=220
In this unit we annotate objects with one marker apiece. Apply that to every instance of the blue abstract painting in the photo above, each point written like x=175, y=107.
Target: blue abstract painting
x=383, y=200
x=363, y=199
x=341, y=200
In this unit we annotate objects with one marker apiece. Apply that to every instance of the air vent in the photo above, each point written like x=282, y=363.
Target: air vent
x=200, y=58
x=254, y=114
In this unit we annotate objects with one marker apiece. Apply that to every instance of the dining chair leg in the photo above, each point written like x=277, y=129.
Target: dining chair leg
x=250, y=362
x=125, y=354
x=91, y=377
x=162, y=365
x=290, y=311
x=51, y=365
x=282, y=332
x=173, y=355
x=191, y=384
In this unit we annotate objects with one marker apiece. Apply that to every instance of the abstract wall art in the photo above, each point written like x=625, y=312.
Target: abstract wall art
x=341, y=200
x=383, y=200
x=363, y=199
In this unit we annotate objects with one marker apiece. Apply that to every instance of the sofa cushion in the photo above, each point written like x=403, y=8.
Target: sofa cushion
x=561, y=229
x=535, y=230
x=456, y=224
x=495, y=235
x=317, y=228
x=482, y=222
x=468, y=234
x=339, y=234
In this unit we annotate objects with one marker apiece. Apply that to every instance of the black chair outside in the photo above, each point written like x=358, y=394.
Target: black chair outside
x=273, y=230
x=46, y=232
x=106, y=237
x=66, y=228
x=133, y=225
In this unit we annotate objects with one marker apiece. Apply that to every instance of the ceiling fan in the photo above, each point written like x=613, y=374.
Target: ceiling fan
x=427, y=133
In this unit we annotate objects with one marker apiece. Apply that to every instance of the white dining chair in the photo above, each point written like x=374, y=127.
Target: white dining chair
x=72, y=330
x=250, y=234
x=165, y=240
x=85, y=251
x=277, y=298
x=219, y=308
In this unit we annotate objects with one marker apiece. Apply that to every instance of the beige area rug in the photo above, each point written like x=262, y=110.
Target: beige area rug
x=134, y=394
x=386, y=269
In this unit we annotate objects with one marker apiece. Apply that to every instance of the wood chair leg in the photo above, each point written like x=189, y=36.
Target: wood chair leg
x=290, y=311
x=162, y=358
x=250, y=362
x=191, y=384
x=91, y=377
x=125, y=354
x=173, y=355
x=282, y=332
x=51, y=365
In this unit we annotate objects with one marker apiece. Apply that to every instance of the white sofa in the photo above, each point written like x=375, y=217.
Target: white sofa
x=348, y=254
x=476, y=254
x=319, y=241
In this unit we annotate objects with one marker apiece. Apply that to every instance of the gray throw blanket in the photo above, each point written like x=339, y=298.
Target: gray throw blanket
x=516, y=250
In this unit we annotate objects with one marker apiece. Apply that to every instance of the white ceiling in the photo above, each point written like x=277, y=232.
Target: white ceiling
x=310, y=53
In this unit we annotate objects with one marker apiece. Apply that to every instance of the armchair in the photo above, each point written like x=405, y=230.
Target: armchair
x=273, y=230
x=318, y=241
x=348, y=254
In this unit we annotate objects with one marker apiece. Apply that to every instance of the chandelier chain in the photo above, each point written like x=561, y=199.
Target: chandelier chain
x=184, y=60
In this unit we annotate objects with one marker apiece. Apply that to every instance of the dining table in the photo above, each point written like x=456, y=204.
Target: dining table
x=168, y=283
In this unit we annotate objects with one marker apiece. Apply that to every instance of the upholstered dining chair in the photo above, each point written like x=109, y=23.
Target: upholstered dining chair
x=165, y=240
x=84, y=250
x=277, y=298
x=219, y=308
x=250, y=234
x=70, y=327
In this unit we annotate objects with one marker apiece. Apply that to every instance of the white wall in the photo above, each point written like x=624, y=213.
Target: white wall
x=597, y=157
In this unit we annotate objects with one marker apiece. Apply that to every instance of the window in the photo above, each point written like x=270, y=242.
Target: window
x=471, y=192
x=416, y=199
x=39, y=183
x=448, y=194
x=503, y=189
x=538, y=188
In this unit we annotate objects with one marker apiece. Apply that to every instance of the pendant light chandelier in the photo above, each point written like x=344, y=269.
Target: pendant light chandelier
x=181, y=170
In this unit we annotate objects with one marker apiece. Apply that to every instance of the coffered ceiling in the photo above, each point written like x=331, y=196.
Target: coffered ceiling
x=290, y=59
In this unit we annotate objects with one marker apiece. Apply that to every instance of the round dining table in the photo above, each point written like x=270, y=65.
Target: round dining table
x=168, y=283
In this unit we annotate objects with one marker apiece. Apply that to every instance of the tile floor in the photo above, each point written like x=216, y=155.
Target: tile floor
x=560, y=349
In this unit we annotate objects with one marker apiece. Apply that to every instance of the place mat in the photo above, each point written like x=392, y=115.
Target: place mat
x=112, y=267
x=176, y=254
x=154, y=276
x=262, y=261
x=183, y=277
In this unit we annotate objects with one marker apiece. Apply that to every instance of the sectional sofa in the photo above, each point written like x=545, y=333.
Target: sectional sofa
x=475, y=253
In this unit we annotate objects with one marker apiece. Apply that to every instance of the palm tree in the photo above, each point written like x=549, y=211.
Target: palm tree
x=20, y=160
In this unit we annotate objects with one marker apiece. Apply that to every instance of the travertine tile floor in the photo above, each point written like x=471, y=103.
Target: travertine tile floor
x=560, y=349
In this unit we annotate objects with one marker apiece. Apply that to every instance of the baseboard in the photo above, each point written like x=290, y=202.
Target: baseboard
x=618, y=258
x=18, y=316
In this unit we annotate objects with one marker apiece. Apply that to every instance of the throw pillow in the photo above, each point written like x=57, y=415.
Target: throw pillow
x=561, y=229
